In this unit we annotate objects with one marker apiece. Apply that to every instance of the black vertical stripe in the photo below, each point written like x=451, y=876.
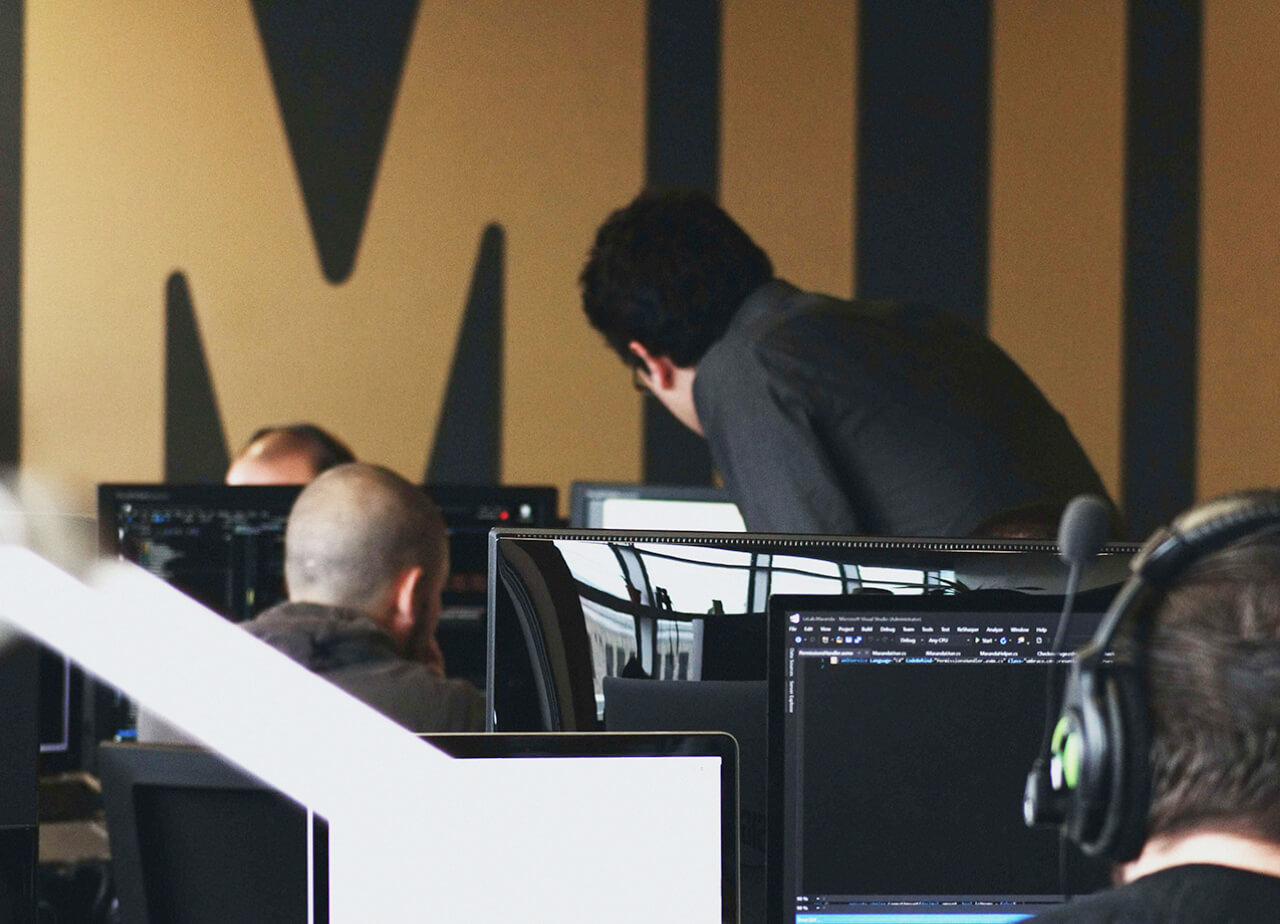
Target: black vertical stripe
x=923, y=152
x=682, y=148
x=195, y=447
x=336, y=69
x=20, y=745
x=1162, y=193
x=19, y=733
x=468, y=443
x=10, y=229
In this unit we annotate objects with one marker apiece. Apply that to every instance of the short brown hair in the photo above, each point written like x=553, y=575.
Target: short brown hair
x=1213, y=675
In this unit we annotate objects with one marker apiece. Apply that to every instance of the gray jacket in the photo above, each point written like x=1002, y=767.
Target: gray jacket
x=876, y=418
x=350, y=650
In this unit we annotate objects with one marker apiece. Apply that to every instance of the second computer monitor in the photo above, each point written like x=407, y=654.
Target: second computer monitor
x=223, y=545
x=599, y=505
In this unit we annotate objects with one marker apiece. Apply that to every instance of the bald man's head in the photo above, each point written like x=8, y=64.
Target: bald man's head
x=287, y=454
x=354, y=531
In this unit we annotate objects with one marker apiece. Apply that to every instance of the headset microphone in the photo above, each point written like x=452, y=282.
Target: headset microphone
x=1081, y=534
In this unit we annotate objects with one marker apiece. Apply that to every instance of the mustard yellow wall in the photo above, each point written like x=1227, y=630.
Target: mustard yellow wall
x=153, y=144
x=1057, y=195
x=1239, y=419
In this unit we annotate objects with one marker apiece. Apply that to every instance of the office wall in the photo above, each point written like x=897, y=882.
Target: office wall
x=155, y=146
x=196, y=258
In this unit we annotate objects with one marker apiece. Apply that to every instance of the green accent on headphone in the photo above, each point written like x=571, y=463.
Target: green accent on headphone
x=1066, y=745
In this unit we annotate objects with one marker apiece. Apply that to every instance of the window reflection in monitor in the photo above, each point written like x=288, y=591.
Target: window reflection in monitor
x=568, y=609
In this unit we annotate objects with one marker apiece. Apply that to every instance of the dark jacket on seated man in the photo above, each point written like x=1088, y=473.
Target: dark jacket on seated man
x=350, y=650
x=1188, y=894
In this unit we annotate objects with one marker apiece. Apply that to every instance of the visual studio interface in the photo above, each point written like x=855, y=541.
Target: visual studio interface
x=909, y=734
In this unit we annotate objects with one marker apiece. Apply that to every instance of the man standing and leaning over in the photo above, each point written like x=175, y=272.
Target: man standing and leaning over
x=1166, y=758
x=822, y=415
x=366, y=559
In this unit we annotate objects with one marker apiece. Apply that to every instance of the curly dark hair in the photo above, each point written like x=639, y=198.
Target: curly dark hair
x=1214, y=683
x=669, y=271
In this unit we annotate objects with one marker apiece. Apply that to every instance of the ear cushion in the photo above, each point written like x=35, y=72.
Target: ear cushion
x=1113, y=823
x=1133, y=781
x=1092, y=741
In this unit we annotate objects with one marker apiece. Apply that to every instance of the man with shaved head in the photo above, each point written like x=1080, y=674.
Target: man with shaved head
x=365, y=562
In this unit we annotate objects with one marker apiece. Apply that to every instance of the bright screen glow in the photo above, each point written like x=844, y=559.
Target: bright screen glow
x=679, y=515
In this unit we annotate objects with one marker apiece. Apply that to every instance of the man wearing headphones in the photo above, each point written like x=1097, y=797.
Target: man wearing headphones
x=1166, y=759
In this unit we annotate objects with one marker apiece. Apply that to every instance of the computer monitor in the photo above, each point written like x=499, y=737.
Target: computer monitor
x=196, y=839
x=902, y=728
x=223, y=545
x=599, y=505
x=736, y=707
x=68, y=540
x=569, y=608
x=470, y=511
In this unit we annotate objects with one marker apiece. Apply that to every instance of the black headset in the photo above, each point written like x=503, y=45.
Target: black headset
x=1096, y=783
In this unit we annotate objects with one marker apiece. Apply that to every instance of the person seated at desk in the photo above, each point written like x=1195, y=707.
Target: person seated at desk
x=1194, y=735
x=366, y=559
x=287, y=454
x=294, y=454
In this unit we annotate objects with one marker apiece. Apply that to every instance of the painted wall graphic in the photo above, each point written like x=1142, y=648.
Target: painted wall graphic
x=467, y=447
x=336, y=69
x=922, y=153
x=1162, y=214
x=218, y=215
x=682, y=148
x=195, y=447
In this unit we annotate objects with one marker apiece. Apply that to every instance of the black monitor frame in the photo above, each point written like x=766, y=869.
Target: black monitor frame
x=467, y=509
x=128, y=769
x=270, y=502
